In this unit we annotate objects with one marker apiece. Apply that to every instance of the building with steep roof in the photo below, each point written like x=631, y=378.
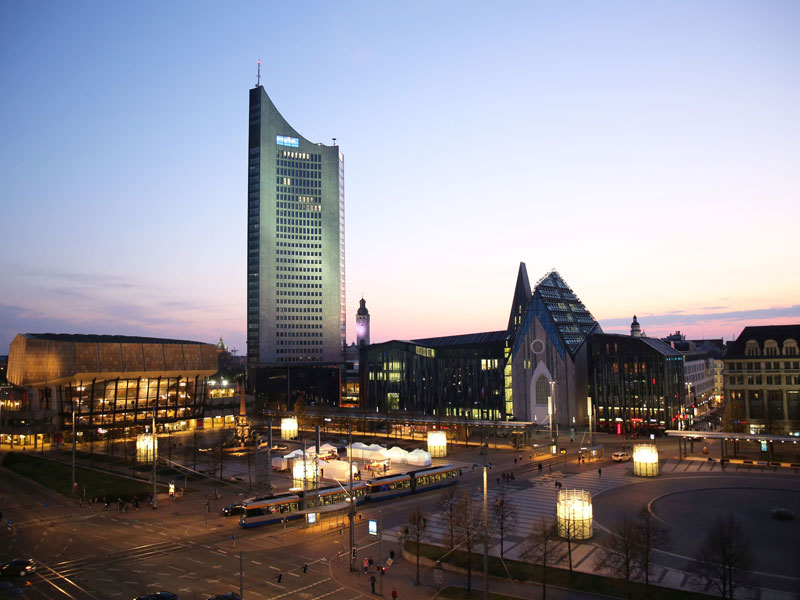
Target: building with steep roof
x=547, y=365
x=546, y=368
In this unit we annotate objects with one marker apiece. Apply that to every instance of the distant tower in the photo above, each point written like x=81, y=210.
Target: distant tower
x=362, y=324
x=636, y=329
x=221, y=347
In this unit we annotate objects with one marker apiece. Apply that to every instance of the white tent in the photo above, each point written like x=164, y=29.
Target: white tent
x=397, y=454
x=419, y=457
x=337, y=469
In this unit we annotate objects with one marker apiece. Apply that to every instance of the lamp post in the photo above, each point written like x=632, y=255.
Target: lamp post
x=155, y=492
x=485, y=535
x=352, y=510
x=80, y=389
x=551, y=407
x=688, y=399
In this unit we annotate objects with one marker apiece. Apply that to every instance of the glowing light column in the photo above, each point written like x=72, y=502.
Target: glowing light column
x=574, y=514
x=645, y=460
x=437, y=444
x=288, y=428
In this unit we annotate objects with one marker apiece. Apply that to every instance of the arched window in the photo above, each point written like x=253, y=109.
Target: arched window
x=771, y=348
x=542, y=391
x=751, y=348
x=790, y=347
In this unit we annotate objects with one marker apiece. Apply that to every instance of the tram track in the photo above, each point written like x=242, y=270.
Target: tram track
x=121, y=558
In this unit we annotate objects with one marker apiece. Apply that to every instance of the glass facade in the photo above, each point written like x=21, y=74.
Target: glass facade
x=130, y=402
x=439, y=377
x=635, y=383
x=295, y=243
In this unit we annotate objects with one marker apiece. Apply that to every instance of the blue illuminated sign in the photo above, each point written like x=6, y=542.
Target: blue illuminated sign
x=283, y=140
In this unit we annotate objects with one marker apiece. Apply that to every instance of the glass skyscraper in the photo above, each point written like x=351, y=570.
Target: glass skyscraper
x=295, y=243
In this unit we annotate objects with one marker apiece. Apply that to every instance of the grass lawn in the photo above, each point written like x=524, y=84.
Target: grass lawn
x=58, y=477
x=583, y=582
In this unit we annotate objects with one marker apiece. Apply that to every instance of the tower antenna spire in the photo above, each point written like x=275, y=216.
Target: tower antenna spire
x=258, y=80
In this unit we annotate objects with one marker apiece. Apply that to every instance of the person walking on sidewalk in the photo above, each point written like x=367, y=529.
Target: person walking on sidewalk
x=600, y=472
x=372, y=582
x=394, y=594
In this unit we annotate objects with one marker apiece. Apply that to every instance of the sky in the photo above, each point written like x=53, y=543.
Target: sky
x=648, y=151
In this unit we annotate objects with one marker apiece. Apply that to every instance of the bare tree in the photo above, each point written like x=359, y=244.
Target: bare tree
x=723, y=556
x=649, y=534
x=417, y=522
x=504, y=515
x=617, y=556
x=469, y=529
x=448, y=506
x=541, y=547
x=566, y=530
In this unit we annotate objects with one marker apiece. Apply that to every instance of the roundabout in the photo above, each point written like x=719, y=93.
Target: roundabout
x=688, y=505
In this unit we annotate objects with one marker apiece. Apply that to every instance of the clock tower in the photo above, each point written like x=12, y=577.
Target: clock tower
x=362, y=324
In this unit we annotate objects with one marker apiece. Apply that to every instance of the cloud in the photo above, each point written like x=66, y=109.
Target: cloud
x=672, y=318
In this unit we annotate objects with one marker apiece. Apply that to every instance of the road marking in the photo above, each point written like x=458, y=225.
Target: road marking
x=255, y=562
x=199, y=562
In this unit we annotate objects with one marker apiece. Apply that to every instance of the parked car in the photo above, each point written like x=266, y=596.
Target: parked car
x=620, y=456
x=158, y=596
x=233, y=509
x=228, y=596
x=19, y=567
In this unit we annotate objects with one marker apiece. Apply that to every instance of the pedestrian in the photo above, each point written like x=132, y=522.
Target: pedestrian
x=498, y=481
x=366, y=565
x=550, y=468
x=80, y=502
x=372, y=582
x=515, y=461
x=394, y=594
x=540, y=467
x=555, y=484
x=600, y=472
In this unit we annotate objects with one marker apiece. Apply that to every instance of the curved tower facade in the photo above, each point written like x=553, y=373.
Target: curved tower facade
x=295, y=243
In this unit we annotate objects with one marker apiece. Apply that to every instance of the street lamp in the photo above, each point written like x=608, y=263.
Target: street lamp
x=155, y=492
x=485, y=537
x=688, y=400
x=551, y=410
x=80, y=390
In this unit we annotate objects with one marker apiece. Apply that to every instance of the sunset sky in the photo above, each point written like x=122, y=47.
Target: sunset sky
x=648, y=151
